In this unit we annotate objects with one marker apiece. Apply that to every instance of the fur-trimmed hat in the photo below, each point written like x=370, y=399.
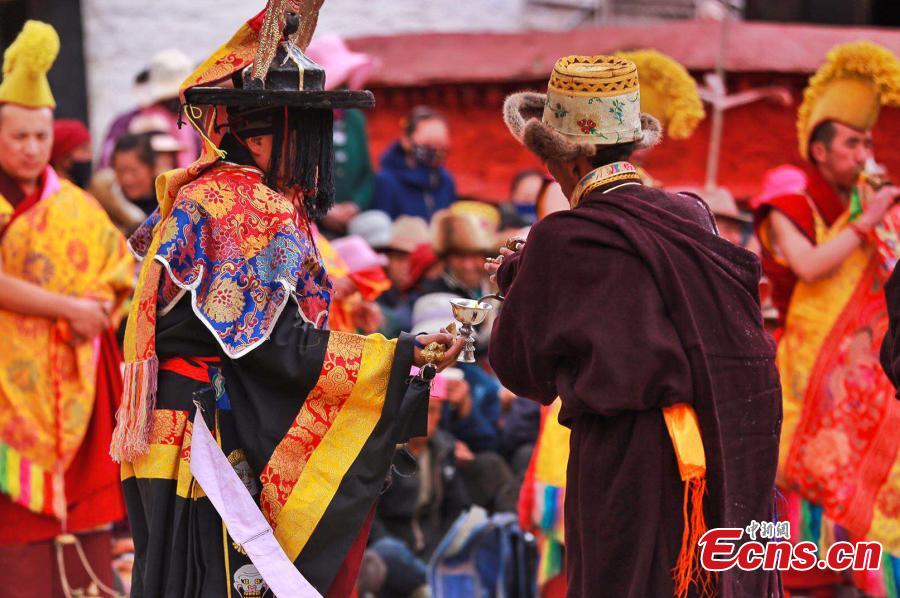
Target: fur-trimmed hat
x=461, y=233
x=590, y=101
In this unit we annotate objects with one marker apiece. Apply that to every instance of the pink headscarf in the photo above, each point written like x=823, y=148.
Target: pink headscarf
x=779, y=181
x=439, y=386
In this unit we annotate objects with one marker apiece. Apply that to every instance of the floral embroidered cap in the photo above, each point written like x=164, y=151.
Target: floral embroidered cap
x=590, y=101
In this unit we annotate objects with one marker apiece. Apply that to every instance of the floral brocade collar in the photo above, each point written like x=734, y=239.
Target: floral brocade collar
x=617, y=172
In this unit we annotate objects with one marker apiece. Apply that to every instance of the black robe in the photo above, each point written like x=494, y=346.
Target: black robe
x=181, y=545
x=890, y=346
x=622, y=306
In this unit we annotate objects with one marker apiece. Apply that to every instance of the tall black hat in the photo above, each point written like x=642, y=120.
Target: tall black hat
x=262, y=76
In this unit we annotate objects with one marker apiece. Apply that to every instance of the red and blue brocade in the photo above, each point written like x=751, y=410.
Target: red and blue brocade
x=241, y=250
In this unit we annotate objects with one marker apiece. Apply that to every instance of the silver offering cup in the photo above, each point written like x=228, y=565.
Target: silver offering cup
x=469, y=313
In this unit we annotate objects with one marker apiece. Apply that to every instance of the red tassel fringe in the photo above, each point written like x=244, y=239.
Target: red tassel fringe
x=687, y=570
x=131, y=438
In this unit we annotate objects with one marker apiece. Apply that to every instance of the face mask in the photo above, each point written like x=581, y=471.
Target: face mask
x=427, y=156
x=80, y=172
x=527, y=210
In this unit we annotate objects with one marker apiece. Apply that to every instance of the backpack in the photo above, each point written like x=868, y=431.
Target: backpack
x=484, y=557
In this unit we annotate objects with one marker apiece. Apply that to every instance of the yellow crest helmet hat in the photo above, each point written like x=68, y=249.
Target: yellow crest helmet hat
x=850, y=88
x=25, y=65
x=590, y=101
x=668, y=92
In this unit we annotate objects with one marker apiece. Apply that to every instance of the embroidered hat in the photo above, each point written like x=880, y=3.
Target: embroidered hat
x=25, y=65
x=850, y=88
x=264, y=65
x=668, y=92
x=590, y=101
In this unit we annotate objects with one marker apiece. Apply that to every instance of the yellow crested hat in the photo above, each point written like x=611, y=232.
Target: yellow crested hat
x=850, y=88
x=25, y=65
x=668, y=92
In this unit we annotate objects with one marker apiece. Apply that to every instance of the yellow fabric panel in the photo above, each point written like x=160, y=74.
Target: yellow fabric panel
x=170, y=436
x=13, y=463
x=36, y=496
x=126, y=471
x=553, y=453
x=339, y=448
x=684, y=430
x=162, y=462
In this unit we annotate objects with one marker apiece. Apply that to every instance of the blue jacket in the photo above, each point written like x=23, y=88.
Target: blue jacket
x=418, y=191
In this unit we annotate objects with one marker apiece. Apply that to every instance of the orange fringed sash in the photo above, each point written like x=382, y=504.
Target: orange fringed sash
x=684, y=430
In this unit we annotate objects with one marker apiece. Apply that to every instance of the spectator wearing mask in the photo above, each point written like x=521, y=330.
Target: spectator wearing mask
x=127, y=191
x=521, y=208
x=353, y=175
x=413, y=180
x=71, y=155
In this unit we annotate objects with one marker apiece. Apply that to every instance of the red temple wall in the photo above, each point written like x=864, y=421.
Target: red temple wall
x=484, y=157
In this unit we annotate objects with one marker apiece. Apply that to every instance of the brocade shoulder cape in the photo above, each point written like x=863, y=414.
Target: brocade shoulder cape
x=236, y=246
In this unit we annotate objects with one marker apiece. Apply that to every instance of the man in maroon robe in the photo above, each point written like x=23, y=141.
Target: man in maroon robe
x=625, y=306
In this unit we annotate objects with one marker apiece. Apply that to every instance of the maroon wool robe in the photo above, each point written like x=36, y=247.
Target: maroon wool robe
x=622, y=306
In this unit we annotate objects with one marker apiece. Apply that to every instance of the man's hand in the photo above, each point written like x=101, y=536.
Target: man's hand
x=493, y=264
x=342, y=288
x=506, y=398
x=367, y=317
x=87, y=317
x=454, y=347
x=463, y=453
x=877, y=206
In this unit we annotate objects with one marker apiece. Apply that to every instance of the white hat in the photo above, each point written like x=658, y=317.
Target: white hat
x=432, y=312
x=372, y=225
x=168, y=70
